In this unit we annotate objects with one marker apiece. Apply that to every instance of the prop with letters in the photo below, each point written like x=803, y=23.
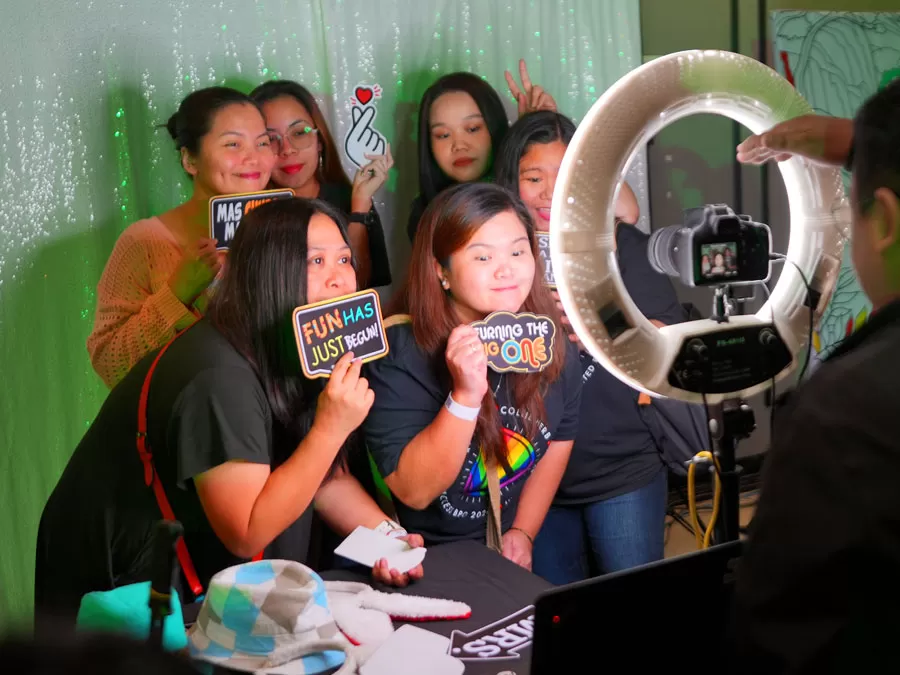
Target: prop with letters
x=543, y=239
x=226, y=211
x=326, y=330
x=518, y=343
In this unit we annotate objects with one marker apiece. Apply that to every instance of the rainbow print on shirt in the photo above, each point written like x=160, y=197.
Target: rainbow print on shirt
x=521, y=455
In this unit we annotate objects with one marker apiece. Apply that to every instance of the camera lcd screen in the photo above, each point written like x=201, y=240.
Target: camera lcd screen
x=719, y=260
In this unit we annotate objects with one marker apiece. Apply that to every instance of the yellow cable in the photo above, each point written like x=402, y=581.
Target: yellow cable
x=704, y=541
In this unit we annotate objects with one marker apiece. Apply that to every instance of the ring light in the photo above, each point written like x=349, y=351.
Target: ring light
x=582, y=227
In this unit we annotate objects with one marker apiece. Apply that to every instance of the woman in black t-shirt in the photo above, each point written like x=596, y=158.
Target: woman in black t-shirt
x=308, y=162
x=461, y=124
x=241, y=442
x=609, y=513
x=441, y=420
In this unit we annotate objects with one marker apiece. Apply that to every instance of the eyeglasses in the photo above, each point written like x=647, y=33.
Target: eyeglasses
x=298, y=137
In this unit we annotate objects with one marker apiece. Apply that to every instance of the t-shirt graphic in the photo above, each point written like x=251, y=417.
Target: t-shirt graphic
x=520, y=454
x=409, y=394
x=467, y=498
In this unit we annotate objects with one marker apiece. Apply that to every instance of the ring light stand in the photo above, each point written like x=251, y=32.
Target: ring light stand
x=717, y=362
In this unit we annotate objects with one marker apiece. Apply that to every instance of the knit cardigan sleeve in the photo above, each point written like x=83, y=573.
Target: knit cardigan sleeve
x=136, y=310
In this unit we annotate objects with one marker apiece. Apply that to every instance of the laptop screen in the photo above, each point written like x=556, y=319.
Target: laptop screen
x=665, y=614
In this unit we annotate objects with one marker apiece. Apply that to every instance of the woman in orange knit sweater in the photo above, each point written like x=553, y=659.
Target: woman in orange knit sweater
x=156, y=280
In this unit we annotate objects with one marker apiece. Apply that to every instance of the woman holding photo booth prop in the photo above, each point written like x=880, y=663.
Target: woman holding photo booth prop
x=156, y=279
x=667, y=361
x=609, y=512
x=231, y=434
x=309, y=163
x=469, y=453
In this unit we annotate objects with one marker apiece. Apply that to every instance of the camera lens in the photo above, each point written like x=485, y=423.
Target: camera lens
x=662, y=249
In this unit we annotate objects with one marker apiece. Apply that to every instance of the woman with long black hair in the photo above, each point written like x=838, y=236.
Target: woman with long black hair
x=461, y=124
x=242, y=444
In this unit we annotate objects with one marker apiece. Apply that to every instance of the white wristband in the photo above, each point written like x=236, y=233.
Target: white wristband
x=461, y=411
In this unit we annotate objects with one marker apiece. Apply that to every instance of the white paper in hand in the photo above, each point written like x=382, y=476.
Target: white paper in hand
x=367, y=547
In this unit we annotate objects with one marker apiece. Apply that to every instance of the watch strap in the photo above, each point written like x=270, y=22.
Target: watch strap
x=359, y=217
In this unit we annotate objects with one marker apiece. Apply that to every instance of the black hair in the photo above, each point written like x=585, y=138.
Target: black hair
x=876, y=145
x=264, y=281
x=544, y=126
x=194, y=117
x=331, y=170
x=431, y=178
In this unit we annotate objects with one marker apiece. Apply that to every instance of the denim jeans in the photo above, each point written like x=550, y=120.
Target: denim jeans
x=578, y=542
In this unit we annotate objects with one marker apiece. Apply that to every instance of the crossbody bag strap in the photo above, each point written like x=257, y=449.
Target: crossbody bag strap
x=494, y=527
x=151, y=476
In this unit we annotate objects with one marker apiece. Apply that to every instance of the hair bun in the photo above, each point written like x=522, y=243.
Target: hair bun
x=172, y=127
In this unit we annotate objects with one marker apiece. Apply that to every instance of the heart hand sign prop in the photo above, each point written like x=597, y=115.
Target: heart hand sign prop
x=363, y=138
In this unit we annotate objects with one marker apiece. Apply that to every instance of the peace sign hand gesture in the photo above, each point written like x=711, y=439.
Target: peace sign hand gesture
x=530, y=98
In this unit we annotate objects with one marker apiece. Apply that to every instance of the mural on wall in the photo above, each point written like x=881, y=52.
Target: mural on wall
x=836, y=60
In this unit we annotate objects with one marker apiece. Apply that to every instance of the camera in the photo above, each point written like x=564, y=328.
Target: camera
x=713, y=247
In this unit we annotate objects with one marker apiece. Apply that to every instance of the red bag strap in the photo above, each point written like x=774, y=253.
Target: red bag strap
x=151, y=477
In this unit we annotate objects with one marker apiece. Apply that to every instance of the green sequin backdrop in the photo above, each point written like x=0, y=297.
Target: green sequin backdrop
x=83, y=84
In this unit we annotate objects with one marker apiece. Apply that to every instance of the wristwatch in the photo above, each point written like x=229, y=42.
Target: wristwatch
x=391, y=529
x=461, y=411
x=364, y=218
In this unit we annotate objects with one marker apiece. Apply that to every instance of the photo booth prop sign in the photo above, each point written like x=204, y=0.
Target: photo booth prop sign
x=517, y=343
x=325, y=331
x=226, y=211
x=543, y=239
x=363, y=138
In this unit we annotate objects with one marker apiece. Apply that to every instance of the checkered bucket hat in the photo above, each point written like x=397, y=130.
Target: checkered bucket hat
x=270, y=616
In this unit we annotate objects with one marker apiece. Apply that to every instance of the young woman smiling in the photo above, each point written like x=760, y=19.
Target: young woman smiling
x=441, y=421
x=308, y=162
x=155, y=282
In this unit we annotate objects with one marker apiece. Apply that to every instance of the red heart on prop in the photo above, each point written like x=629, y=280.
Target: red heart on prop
x=363, y=95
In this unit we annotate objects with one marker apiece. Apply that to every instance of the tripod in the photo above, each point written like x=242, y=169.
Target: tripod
x=730, y=421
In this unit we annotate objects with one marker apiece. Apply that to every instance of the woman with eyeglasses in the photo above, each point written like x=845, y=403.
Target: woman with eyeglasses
x=156, y=279
x=307, y=162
